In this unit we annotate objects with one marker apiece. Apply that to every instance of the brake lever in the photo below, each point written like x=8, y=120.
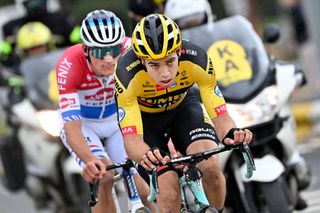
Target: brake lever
x=248, y=157
x=154, y=187
x=93, y=193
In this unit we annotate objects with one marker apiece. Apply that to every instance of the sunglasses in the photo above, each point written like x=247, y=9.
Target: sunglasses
x=101, y=52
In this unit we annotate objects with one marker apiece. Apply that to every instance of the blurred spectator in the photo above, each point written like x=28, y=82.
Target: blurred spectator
x=297, y=19
x=247, y=8
x=61, y=24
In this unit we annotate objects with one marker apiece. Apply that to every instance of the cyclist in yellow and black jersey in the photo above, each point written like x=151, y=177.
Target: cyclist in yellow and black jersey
x=134, y=83
x=156, y=102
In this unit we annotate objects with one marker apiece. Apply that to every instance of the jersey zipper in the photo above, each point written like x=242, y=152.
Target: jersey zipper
x=104, y=82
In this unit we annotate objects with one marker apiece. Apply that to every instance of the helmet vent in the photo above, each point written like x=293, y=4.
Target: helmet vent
x=102, y=28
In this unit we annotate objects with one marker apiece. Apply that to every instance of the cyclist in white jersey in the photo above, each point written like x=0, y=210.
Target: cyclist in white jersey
x=85, y=77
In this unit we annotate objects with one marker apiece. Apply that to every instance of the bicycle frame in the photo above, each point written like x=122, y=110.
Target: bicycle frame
x=194, y=180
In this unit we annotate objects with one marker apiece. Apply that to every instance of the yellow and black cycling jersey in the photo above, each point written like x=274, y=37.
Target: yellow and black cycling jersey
x=136, y=91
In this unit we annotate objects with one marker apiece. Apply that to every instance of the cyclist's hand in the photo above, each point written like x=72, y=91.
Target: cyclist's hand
x=174, y=153
x=152, y=158
x=94, y=169
x=238, y=136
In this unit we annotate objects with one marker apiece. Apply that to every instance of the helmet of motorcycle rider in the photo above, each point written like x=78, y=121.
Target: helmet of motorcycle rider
x=37, y=7
x=33, y=7
x=189, y=13
x=142, y=7
x=156, y=36
x=33, y=35
x=102, y=28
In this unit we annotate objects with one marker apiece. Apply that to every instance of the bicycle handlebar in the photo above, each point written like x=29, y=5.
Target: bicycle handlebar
x=200, y=156
x=94, y=186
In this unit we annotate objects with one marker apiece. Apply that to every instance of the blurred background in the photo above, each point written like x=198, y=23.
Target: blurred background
x=299, y=43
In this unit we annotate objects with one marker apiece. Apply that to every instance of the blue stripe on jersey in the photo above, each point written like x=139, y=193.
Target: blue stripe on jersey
x=72, y=115
x=94, y=112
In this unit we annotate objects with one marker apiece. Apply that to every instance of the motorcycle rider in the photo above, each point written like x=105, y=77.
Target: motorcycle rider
x=85, y=77
x=137, y=9
x=196, y=20
x=34, y=38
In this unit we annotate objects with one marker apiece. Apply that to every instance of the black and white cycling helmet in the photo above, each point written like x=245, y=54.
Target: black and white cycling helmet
x=187, y=13
x=102, y=28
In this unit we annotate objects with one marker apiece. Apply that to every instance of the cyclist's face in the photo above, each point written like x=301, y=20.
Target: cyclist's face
x=103, y=66
x=164, y=70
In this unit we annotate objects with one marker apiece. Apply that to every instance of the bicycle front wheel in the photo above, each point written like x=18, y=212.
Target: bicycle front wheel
x=207, y=209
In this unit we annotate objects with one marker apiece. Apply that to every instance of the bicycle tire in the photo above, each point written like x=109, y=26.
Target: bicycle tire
x=207, y=209
x=143, y=210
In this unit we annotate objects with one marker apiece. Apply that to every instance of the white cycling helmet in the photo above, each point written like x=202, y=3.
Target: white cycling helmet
x=188, y=13
x=102, y=28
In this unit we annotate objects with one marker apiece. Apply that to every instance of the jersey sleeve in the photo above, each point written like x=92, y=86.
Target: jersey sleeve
x=211, y=95
x=67, y=79
x=129, y=114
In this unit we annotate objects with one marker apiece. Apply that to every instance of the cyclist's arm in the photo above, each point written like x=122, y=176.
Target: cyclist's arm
x=135, y=146
x=223, y=123
x=69, y=106
x=213, y=99
x=76, y=140
x=131, y=123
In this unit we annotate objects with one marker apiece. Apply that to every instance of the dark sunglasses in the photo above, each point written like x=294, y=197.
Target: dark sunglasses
x=101, y=52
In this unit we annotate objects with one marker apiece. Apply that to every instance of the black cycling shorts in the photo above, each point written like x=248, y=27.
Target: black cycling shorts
x=184, y=124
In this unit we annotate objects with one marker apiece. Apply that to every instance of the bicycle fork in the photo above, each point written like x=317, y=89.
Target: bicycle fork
x=192, y=179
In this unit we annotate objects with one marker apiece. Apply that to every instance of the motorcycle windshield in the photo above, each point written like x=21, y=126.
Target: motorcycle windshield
x=40, y=79
x=238, y=55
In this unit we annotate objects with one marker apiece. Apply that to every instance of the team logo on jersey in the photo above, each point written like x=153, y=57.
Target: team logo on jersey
x=66, y=102
x=112, y=81
x=174, y=84
x=100, y=95
x=159, y=88
x=133, y=65
x=121, y=114
x=129, y=130
x=157, y=102
x=220, y=109
x=217, y=91
x=147, y=84
x=191, y=52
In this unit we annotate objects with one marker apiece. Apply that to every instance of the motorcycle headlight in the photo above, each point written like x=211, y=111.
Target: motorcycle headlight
x=49, y=121
x=258, y=110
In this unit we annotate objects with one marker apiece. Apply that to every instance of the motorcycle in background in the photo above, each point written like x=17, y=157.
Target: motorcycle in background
x=257, y=89
x=51, y=177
